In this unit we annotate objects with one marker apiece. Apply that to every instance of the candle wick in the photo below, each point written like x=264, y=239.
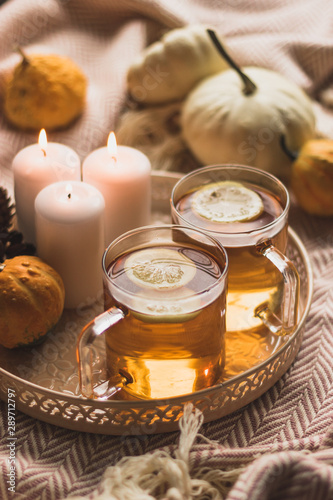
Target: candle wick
x=114, y=158
x=44, y=151
x=69, y=196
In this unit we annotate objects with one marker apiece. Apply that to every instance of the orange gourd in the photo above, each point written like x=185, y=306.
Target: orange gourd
x=312, y=177
x=31, y=300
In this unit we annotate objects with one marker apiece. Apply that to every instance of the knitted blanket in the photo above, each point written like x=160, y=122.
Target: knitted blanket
x=279, y=446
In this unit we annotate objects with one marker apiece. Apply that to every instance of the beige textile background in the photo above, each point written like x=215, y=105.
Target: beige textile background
x=294, y=37
x=104, y=36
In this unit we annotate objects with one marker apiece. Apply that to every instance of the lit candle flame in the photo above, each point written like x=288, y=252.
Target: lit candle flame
x=42, y=140
x=69, y=190
x=112, y=146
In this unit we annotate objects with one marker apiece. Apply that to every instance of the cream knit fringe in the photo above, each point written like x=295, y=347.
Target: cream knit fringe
x=156, y=132
x=159, y=476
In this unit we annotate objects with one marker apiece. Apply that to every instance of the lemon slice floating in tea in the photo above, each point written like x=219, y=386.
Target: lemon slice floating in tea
x=159, y=268
x=173, y=306
x=227, y=201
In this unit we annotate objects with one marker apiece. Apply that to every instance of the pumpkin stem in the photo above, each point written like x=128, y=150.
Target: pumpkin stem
x=293, y=155
x=25, y=59
x=249, y=86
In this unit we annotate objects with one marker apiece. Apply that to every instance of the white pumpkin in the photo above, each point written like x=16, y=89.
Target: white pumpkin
x=168, y=69
x=220, y=124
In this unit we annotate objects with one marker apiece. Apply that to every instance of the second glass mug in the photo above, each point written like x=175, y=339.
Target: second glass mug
x=164, y=320
x=263, y=284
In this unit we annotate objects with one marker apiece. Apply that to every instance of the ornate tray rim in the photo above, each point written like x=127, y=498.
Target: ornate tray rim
x=177, y=400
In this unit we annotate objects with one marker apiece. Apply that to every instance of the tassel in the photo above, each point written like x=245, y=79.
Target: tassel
x=159, y=476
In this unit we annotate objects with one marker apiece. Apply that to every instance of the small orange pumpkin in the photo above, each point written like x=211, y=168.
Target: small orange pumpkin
x=32, y=298
x=312, y=177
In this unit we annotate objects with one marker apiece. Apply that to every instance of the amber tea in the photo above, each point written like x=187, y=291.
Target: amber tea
x=164, y=320
x=246, y=216
x=175, y=343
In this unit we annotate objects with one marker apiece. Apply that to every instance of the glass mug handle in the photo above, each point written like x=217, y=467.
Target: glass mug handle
x=88, y=335
x=287, y=323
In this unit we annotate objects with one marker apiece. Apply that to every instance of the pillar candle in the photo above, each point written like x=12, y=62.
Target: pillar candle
x=70, y=237
x=123, y=175
x=34, y=167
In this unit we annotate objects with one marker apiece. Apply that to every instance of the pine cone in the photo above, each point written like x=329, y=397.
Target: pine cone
x=11, y=240
x=6, y=210
x=12, y=245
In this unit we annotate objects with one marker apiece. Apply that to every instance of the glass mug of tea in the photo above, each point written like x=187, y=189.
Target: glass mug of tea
x=164, y=320
x=246, y=209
